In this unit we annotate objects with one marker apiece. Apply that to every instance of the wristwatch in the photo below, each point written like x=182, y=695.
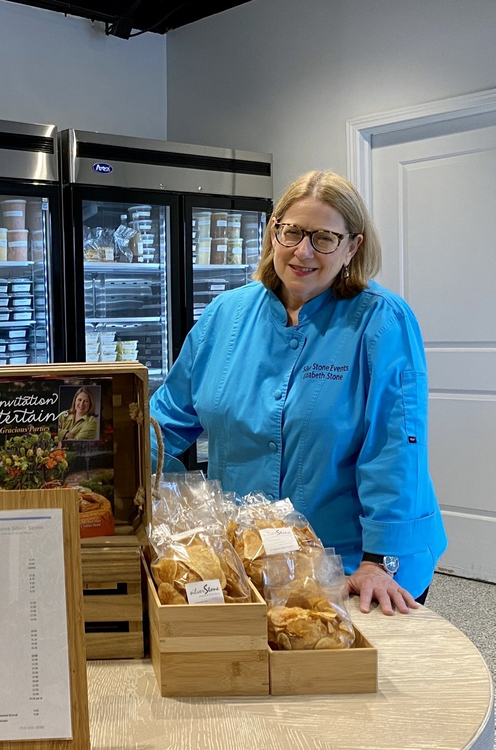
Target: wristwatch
x=390, y=563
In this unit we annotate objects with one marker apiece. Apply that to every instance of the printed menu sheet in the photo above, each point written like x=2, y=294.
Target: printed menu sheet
x=35, y=699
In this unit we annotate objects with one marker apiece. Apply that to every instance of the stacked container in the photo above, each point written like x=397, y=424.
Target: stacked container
x=14, y=221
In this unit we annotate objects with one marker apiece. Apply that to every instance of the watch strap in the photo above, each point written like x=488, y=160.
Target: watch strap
x=369, y=557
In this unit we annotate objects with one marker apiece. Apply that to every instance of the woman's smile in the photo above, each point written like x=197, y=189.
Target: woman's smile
x=301, y=270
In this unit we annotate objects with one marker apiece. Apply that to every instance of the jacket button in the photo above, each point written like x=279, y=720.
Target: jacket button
x=272, y=446
x=278, y=395
x=294, y=343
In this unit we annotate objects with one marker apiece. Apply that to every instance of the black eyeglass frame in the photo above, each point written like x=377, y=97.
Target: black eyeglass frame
x=308, y=233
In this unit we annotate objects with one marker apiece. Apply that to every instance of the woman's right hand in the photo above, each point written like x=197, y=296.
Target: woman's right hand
x=370, y=581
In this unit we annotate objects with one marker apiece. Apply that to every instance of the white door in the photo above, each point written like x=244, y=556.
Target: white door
x=434, y=201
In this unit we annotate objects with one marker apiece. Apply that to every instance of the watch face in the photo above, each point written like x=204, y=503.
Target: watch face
x=391, y=563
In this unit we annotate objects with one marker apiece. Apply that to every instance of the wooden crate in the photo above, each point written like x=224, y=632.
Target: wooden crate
x=208, y=649
x=131, y=438
x=113, y=602
x=111, y=565
x=351, y=670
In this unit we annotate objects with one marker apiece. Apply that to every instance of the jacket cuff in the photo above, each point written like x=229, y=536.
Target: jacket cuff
x=398, y=537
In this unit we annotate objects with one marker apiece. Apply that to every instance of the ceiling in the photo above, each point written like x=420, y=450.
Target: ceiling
x=125, y=19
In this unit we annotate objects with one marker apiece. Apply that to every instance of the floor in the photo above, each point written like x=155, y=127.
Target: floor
x=471, y=606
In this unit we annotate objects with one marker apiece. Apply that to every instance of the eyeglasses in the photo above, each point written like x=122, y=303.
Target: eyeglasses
x=290, y=235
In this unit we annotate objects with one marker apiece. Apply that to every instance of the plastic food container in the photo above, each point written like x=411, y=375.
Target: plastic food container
x=106, y=337
x=235, y=251
x=233, y=226
x=252, y=251
x=147, y=239
x=17, y=244
x=218, y=253
x=3, y=244
x=22, y=313
x=203, y=219
x=4, y=314
x=20, y=346
x=203, y=253
x=218, y=225
x=22, y=301
x=139, y=212
x=20, y=286
x=14, y=213
x=4, y=300
x=128, y=345
x=34, y=216
x=3, y=347
x=18, y=360
x=250, y=231
x=17, y=333
x=142, y=226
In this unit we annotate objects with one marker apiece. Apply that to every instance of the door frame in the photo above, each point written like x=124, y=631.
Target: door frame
x=359, y=131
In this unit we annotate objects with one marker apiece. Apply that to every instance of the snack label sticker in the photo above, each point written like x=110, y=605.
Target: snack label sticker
x=185, y=534
x=204, y=592
x=278, y=541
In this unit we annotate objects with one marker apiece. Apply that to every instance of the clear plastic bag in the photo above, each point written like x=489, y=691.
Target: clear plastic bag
x=307, y=602
x=261, y=528
x=188, y=536
x=98, y=244
x=122, y=248
x=196, y=556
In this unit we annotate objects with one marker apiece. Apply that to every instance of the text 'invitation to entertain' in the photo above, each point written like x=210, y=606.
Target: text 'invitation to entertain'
x=35, y=698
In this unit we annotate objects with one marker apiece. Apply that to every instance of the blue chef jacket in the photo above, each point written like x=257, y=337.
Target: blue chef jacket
x=331, y=413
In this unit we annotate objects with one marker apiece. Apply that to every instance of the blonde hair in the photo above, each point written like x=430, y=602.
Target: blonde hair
x=87, y=392
x=337, y=192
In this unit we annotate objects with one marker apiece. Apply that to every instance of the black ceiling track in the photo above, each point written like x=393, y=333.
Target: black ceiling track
x=23, y=142
x=105, y=153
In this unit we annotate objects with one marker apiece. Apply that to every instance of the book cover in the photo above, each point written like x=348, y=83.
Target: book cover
x=58, y=432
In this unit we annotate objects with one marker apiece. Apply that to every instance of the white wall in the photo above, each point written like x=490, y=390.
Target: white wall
x=65, y=71
x=284, y=76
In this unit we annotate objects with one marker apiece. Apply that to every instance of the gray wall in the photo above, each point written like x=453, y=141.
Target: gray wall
x=65, y=71
x=284, y=76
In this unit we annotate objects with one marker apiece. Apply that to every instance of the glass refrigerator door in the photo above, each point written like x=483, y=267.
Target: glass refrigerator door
x=126, y=289
x=25, y=240
x=226, y=248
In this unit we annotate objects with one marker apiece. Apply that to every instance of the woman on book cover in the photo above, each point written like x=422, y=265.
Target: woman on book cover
x=80, y=421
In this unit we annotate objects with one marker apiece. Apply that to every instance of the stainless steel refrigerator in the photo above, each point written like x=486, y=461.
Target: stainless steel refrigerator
x=32, y=323
x=154, y=230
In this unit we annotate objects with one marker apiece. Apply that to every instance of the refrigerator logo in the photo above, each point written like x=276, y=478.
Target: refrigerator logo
x=102, y=167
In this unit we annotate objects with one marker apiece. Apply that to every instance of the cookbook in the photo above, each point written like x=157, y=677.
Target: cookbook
x=58, y=432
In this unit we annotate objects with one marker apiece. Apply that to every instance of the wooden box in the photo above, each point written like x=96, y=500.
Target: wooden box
x=351, y=670
x=208, y=649
x=112, y=598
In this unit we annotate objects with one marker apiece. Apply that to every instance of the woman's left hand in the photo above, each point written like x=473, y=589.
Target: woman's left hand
x=372, y=582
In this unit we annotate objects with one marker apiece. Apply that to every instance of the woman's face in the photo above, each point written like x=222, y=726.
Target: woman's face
x=82, y=404
x=305, y=273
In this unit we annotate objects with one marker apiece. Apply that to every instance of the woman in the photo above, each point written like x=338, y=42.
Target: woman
x=311, y=384
x=79, y=422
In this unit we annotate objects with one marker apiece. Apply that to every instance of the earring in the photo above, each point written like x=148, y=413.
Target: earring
x=346, y=272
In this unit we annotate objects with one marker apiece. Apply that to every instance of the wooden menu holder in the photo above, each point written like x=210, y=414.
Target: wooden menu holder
x=67, y=499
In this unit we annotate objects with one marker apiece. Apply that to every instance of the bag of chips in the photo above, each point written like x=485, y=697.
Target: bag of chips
x=194, y=563
x=261, y=528
x=307, y=603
